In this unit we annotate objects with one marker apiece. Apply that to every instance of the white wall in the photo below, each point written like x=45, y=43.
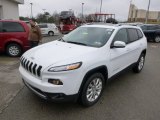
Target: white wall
x=141, y=14
x=0, y=12
x=153, y=15
x=10, y=9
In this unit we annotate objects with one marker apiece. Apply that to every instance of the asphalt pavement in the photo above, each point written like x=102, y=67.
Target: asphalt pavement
x=128, y=96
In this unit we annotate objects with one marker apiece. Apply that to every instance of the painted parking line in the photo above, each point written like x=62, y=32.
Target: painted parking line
x=154, y=46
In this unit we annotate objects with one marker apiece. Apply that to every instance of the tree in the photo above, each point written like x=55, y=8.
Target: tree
x=24, y=18
x=111, y=20
x=48, y=18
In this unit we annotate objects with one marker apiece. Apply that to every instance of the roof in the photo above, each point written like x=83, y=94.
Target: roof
x=12, y=21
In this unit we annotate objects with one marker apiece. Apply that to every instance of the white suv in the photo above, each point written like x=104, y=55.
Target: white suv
x=77, y=66
x=49, y=29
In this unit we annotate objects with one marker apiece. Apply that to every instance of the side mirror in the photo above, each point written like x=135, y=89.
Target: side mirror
x=118, y=44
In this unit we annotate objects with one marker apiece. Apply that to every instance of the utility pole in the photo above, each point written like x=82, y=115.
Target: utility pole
x=101, y=7
x=31, y=10
x=100, y=18
x=82, y=11
x=147, y=13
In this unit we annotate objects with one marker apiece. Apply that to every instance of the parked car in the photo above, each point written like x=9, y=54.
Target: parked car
x=152, y=32
x=14, y=37
x=49, y=29
x=77, y=66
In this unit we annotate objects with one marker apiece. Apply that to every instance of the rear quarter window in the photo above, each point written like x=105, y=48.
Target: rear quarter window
x=133, y=35
x=143, y=27
x=140, y=35
x=12, y=27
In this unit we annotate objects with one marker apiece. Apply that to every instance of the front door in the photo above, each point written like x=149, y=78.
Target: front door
x=119, y=56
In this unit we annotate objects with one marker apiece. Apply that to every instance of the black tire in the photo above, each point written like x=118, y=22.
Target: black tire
x=157, y=39
x=13, y=50
x=140, y=64
x=51, y=33
x=84, y=100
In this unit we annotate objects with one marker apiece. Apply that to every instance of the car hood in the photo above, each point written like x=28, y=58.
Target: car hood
x=56, y=52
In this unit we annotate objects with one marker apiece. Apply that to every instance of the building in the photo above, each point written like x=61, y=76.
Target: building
x=139, y=15
x=9, y=9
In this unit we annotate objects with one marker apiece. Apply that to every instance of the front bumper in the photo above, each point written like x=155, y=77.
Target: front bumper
x=40, y=86
x=57, y=97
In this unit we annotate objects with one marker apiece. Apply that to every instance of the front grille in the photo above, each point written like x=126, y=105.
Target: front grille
x=31, y=67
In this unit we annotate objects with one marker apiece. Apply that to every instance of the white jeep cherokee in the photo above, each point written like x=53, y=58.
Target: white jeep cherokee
x=77, y=66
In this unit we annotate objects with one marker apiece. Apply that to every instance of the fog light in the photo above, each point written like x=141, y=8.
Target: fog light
x=55, y=82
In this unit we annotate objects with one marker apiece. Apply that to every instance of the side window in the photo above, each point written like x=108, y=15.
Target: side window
x=158, y=27
x=121, y=36
x=143, y=27
x=0, y=27
x=43, y=26
x=133, y=35
x=12, y=27
x=152, y=27
x=140, y=35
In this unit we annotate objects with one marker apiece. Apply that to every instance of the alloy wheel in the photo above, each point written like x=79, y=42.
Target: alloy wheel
x=94, y=89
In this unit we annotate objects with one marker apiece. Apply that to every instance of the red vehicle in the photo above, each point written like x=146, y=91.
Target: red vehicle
x=14, y=37
x=67, y=21
x=100, y=17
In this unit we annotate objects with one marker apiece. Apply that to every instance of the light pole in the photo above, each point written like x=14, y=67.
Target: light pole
x=101, y=7
x=82, y=10
x=147, y=13
x=31, y=10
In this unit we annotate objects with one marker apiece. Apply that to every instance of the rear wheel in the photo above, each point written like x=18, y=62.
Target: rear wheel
x=14, y=50
x=51, y=33
x=157, y=39
x=140, y=64
x=92, y=89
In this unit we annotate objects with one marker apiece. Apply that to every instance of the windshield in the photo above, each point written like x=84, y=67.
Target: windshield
x=89, y=36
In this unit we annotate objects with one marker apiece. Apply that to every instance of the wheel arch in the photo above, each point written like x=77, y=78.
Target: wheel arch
x=50, y=31
x=144, y=52
x=12, y=42
x=101, y=69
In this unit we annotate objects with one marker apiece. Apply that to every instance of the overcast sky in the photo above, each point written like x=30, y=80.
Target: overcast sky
x=118, y=7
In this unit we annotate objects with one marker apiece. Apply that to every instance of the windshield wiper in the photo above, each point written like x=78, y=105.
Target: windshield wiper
x=61, y=39
x=76, y=43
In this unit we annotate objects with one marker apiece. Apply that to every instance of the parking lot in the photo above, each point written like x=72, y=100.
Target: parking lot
x=128, y=96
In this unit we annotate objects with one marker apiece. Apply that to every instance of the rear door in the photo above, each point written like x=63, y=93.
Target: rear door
x=151, y=31
x=134, y=44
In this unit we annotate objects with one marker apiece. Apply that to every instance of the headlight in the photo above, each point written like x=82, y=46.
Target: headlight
x=65, y=67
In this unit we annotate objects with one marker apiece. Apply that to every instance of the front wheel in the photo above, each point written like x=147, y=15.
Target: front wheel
x=140, y=64
x=157, y=39
x=92, y=89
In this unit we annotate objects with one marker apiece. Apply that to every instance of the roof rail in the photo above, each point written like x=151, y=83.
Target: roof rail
x=99, y=23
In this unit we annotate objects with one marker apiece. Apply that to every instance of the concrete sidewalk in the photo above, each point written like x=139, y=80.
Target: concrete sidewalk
x=10, y=82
